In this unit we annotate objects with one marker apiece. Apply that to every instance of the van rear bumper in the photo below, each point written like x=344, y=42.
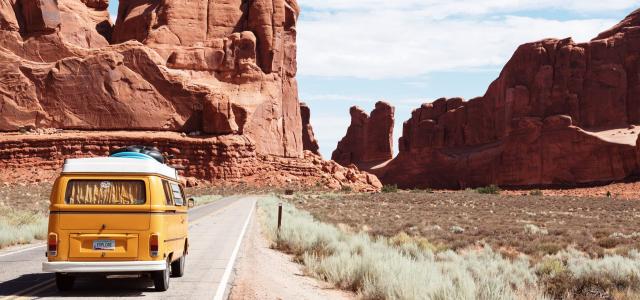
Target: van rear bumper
x=103, y=267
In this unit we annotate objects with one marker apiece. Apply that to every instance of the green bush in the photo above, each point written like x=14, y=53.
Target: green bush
x=390, y=188
x=492, y=190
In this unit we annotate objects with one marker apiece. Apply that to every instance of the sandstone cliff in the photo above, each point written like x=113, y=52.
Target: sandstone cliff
x=561, y=113
x=222, y=71
x=220, y=67
x=369, y=139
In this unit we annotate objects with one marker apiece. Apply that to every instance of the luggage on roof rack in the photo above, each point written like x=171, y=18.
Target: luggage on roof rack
x=152, y=152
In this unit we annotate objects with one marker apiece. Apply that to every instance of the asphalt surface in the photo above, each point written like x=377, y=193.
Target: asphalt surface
x=215, y=232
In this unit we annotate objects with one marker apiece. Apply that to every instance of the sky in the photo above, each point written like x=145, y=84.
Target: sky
x=409, y=52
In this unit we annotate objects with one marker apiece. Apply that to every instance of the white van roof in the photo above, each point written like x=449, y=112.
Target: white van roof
x=118, y=165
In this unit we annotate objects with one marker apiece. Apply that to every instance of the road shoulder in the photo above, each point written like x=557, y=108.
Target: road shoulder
x=264, y=273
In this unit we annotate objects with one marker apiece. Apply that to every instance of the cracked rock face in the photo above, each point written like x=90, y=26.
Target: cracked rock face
x=560, y=113
x=219, y=67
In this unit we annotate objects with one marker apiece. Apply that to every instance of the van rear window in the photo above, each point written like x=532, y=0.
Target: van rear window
x=106, y=192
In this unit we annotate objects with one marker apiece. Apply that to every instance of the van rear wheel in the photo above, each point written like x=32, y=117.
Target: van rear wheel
x=177, y=267
x=64, y=282
x=161, y=278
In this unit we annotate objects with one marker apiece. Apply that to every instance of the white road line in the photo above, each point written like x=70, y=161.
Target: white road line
x=22, y=250
x=222, y=287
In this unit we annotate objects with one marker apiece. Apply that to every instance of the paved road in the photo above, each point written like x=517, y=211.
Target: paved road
x=215, y=233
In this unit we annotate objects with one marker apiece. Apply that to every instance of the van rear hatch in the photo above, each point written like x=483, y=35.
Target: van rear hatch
x=104, y=217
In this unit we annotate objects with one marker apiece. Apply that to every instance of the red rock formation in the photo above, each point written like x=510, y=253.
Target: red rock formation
x=542, y=122
x=193, y=53
x=40, y=15
x=224, y=160
x=225, y=69
x=369, y=139
x=309, y=141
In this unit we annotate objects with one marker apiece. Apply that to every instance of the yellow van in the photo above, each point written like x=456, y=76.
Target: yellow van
x=124, y=214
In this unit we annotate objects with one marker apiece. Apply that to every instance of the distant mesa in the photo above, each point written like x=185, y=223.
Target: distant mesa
x=561, y=113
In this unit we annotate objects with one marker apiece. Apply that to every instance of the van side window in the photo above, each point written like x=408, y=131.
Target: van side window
x=167, y=192
x=178, y=199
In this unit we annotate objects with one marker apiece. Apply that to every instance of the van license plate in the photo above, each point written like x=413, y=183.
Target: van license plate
x=104, y=245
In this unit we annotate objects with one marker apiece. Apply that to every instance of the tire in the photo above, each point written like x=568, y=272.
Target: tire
x=64, y=282
x=177, y=267
x=161, y=278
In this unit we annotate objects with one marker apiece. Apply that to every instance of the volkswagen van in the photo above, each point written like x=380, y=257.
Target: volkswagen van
x=125, y=214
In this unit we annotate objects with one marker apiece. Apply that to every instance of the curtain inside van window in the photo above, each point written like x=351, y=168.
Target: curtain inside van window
x=106, y=192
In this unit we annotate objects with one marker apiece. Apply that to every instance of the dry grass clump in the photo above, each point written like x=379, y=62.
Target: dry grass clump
x=206, y=199
x=533, y=225
x=404, y=241
x=571, y=274
x=396, y=268
x=21, y=227
x=532, y=229
x=409, y=266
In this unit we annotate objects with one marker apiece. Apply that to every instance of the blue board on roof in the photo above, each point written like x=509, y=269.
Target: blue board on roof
x=134, y=155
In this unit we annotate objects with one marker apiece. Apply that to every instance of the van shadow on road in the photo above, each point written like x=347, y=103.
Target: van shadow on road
x=43, y=284
x=24, y=282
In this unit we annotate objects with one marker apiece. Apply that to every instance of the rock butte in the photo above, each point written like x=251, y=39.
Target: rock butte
x=369, y=139
x=309, y=141
x=561, y=113
x=223, y=70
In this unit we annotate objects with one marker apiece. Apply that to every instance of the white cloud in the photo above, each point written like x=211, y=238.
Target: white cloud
x=403, y=38
x=440, y=8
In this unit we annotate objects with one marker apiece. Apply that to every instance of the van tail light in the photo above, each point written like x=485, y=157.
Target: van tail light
x=52, y=244
x=154, y=245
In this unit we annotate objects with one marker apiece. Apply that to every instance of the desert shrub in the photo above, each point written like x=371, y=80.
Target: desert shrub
x=346, y=189
x=21, y=227
x=536, y=193
x=532, y=229
x=548, y=248
x=413, y=244
x=456, y=229
x=396, y=268
x=550, y=267
x=575, y=274
x=492, y=190
x=609, y=242
x=390, y=188
x=620, y=235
